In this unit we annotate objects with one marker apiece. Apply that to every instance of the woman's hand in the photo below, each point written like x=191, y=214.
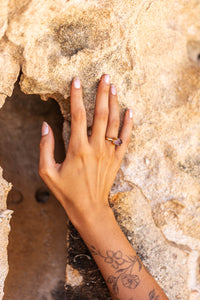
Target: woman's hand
x=82, y=184
x=83, y=181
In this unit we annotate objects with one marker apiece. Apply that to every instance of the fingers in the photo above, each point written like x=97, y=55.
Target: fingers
x=113, y=118
x=78, y=114
x=101, y=111
x=125, y=134
x=47, y=164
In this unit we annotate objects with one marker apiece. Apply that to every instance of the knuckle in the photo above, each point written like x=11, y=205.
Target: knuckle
x=115, y=122
x=81, y=152
x=79, y=115
x=105, y=88
x=43, y=142
x=102, y=114
x=126, y=122
x=99, y=155
x=118, y=157
x=126, y=140
x=79, y=149
x=41, y=145
x=43, y=171
x=100, y=152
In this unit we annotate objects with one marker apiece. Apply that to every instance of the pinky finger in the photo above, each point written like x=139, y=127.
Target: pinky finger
x=125, y=135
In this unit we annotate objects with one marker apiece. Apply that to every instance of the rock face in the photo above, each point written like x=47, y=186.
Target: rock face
x=37, y=240
x=151, y=49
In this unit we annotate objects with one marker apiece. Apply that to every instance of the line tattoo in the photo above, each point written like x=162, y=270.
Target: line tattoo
x=152, y=295
x=123, y=269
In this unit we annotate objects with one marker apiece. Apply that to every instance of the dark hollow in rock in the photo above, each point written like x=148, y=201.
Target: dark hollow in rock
x=193, y=49
x=81, y=32
x=37, y=240
x=42, y=195
x=14, y=197
x=93, y=286
x=59, y=292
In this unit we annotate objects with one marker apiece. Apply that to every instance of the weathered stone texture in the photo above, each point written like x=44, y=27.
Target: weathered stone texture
x=151, y=49
x=3, y=16
x=5, y=215
x=37, y=240
x=10, y=64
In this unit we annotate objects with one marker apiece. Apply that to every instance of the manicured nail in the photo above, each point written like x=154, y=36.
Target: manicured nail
x=130, y=113
x=107, y=79
x=113, y=89
x=45, y=128
x=77, y=83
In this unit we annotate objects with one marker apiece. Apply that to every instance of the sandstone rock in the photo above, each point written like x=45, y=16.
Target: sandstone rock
x=3, y=16
x=151, y=49
x=37, y=241
x=10, y=65
x=5, y=216
x=162, y=259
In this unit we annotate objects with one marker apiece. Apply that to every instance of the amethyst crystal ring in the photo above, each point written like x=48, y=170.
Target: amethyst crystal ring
x=115, y=141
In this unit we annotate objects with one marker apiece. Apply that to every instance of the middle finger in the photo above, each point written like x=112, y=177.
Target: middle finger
x=101, y=111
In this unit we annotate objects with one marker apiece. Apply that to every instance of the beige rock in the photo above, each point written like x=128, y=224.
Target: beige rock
x=162, y=259
x=73, y=276
x=4, y=232
x=5, y=216
x=37, y=241
x=5, y=187
x=3, y=16
x=151, y=49
x=10, y=66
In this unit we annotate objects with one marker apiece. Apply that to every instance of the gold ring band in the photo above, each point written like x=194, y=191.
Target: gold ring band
x=115, y=141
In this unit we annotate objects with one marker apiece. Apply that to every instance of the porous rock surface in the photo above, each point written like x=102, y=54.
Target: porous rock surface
x=151, y=49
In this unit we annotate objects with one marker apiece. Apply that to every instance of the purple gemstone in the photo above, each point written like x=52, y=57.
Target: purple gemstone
x=117, y=142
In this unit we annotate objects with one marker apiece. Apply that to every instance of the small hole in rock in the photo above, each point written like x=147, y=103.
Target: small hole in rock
x=42, y=195
x=14, y=197
x=198, y=57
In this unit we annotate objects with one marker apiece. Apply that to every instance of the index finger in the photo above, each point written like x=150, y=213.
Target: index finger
x=78, y=113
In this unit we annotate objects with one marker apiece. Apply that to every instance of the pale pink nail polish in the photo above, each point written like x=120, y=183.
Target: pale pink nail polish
x=45, y=128
x=77, y=83
x=130, y=113
x=113, y=89
x=107, y=79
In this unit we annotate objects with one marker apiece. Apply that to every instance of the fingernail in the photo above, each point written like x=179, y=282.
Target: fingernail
x=77, y=83
x=107, y=79
x=45, y=128
x=130, y=113
x=113, y=89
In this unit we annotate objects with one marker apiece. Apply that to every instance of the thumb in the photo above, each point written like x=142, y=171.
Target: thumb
x=47, y=143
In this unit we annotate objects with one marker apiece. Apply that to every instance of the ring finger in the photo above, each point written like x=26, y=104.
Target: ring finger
x=113, y=118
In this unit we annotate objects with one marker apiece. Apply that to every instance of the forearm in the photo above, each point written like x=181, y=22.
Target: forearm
x=121, y=268
x=89, y=169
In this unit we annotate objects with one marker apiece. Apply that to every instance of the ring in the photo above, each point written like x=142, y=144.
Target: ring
x=115, y=141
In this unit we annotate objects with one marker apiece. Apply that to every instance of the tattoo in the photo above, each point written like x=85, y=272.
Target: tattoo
x=152, y=295
x=123, y=268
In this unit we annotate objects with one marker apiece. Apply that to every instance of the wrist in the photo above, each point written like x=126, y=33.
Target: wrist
x=90, y=219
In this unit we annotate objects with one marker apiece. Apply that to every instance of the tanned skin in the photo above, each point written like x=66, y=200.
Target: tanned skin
x=82, y=184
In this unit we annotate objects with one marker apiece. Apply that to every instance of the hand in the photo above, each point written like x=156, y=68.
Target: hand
x=83, y=181
x=82, y=184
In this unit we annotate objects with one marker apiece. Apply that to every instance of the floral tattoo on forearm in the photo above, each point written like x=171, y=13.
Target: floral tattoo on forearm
x=123, y=268
x=152, y=295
